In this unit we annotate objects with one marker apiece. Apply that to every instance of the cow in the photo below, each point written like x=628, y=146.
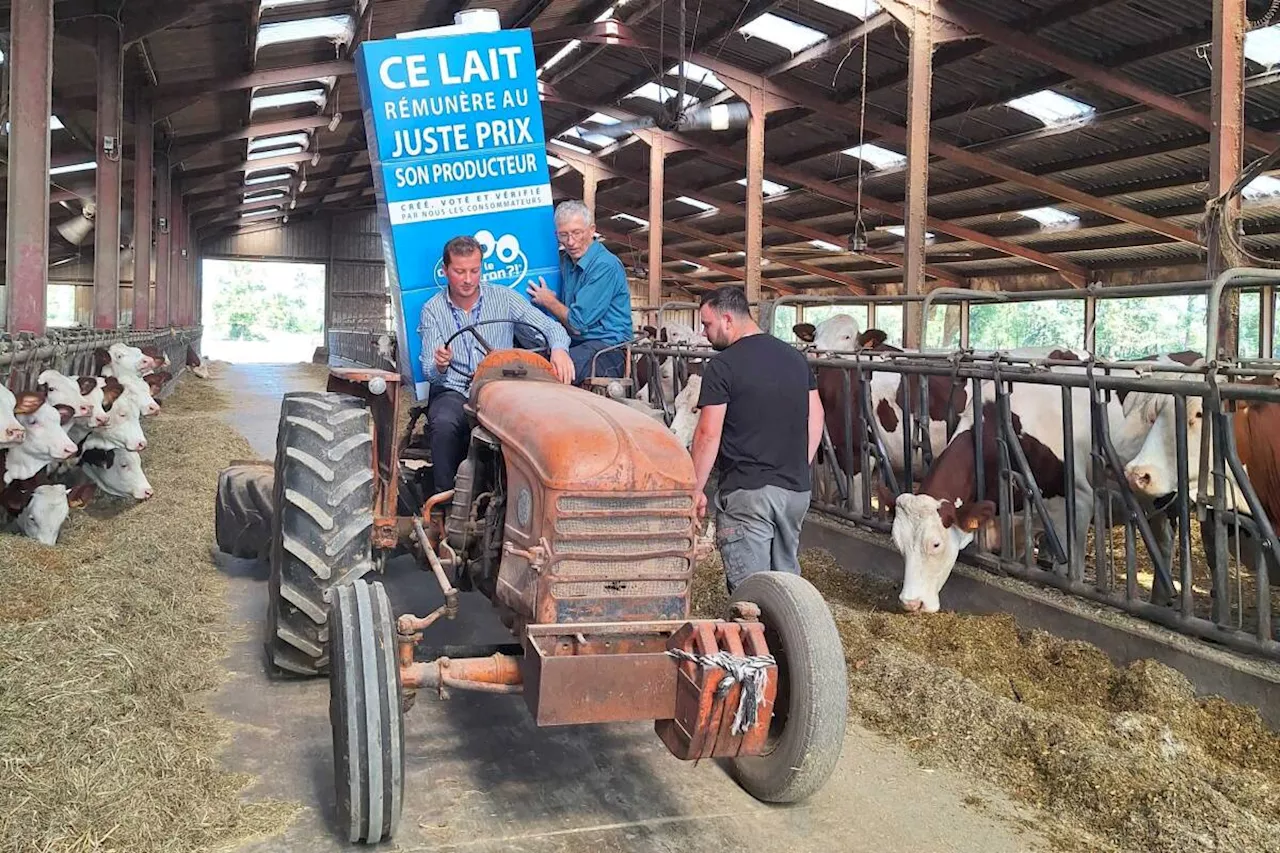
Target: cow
x=931, y=526
x=102, y=394
x=671, y=334
x=123, y=428
x=117, y=472
x=61, y=390
x=11, y=429
x=46, y=437
x=121, y=360
x=142, y=391
x=888, y=396
x=45, y=513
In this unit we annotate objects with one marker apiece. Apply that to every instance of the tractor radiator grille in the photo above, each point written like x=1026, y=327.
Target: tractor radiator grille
x=623, y=538
x=603, y=589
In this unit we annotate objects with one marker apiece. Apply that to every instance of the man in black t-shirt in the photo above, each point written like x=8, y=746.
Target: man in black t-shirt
x=761, y=420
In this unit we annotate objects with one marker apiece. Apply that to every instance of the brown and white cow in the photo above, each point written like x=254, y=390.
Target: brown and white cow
x=12, y=431
x=932, y=526
x=888, y=391
x=46, y=437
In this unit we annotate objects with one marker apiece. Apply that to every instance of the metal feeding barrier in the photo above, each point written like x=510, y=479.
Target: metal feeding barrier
x=24, y=357
x=376, y=349
x=1144, y=558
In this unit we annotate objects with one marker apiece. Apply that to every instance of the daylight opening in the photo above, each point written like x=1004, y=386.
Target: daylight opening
x=783, y=32
x=1051, y=108
x=263, y=311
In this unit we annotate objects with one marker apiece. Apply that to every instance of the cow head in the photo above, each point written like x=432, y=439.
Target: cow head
x=123, y=427
x=686, y=417
x=1151, y=417
x=930, y=533
x=65, y=391
x=129, y=361
x=834, y=334
x=47, y=441
x=45, y=513
x=117, y=472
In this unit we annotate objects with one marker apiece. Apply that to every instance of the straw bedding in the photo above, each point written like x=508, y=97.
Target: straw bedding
x=107, y=643
x=1114, y=758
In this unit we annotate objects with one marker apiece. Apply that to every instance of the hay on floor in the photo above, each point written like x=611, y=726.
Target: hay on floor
x=107, y=643
x=1115, y=759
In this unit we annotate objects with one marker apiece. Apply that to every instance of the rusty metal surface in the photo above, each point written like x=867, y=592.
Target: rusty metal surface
x=701, y=726
x=599, y=673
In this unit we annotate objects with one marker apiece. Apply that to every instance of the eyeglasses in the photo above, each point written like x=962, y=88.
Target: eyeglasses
x=576, y=234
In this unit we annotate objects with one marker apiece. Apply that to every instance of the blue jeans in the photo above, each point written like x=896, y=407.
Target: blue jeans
x=608, y=365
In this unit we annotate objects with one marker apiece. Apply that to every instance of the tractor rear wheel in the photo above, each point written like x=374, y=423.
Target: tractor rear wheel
x=364, y=712
x=807, y=731
x=322, y=524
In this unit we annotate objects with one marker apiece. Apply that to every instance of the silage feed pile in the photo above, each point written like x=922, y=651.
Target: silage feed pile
x=1114, y=759
x=109, y=644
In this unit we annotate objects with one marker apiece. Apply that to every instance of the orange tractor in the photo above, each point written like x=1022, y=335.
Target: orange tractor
x=574, y=514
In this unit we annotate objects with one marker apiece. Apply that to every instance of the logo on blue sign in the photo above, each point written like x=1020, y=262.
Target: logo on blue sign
x=456, y=143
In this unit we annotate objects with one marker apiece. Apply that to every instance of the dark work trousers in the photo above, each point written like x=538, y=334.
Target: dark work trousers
x=450, y=434
x=608, y=365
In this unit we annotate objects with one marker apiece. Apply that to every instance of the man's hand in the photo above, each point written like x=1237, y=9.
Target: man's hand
x=542, y=295
x=443, y=358
x=700, y=504
x=563, y=364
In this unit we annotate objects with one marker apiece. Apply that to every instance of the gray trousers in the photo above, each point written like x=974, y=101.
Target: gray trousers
x=758, y=530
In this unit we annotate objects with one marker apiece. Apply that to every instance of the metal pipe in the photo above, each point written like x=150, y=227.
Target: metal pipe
x=110, y=142
x=143, y=215
x=495, y=671
x=450, y=594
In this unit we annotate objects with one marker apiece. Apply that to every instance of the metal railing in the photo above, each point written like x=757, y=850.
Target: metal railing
x=358, y=347
x=70, y=351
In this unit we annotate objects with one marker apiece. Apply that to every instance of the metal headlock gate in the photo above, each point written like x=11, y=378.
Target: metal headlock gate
x=70, y=351
x=1221, y=593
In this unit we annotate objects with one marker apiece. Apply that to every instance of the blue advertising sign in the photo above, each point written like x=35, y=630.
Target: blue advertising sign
x=456, y=144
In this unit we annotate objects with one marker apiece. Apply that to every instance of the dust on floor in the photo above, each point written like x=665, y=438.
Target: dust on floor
x=1116, y=759
x=107, y=643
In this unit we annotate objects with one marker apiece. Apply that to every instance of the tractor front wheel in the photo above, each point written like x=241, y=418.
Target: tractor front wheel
x=807, y=731
x=364, y=711
x=322, y=521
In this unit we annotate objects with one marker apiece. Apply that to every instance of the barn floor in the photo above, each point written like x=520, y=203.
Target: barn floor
x=481, y=776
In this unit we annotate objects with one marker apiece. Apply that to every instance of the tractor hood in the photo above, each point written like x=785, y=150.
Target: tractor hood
x=576, y=440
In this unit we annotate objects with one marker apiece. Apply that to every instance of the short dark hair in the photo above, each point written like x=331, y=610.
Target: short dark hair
x=729, y=300
x=461, y=246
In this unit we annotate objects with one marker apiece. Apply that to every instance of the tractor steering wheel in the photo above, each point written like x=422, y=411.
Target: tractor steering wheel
x=545, y=350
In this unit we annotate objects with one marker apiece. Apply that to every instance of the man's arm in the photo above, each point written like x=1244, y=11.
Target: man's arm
x=432, y=339
x=706, y=442
x=816, y=416
x=523, y=310
x=591, y=302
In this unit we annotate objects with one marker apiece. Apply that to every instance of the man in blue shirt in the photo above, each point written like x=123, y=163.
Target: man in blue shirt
x=596, y=309
x=466, y=301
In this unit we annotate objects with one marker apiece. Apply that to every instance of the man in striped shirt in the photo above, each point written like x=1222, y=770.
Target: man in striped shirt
x=466, y=301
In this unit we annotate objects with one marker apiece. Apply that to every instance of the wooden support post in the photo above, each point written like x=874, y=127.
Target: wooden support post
x=164, y=240
x=657, y=168
x=1226, y=141
x=143, y=216
x=106, y=238
x=755, y=193
x=919, y=91
x=590, y=179
x=30, y=64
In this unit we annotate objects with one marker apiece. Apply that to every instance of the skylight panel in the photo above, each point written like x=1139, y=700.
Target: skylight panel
x=278, y=4
x=697, y=74
x=601, y=118
x=1051, y=217
x=275, y=152
x=315, y=96
x=281, y=141
x=263, y=195
x=861, y=9
x=572, y=147
x=338, y=29
x=555, y=162
x=693, y=202
x=1263, y=186
x=879, y=158
x=783, y=32
x=698, y=267
x=269, y=175
x=1263, y=46
x=587, y=136
x=660, y=94
x=559, y=56
x=901, y=231
x=1051, y=108
x=74, y=167
x=55, y=123
x=627, y=217
x=270, y=211
x=770, y=187
x=823, y=244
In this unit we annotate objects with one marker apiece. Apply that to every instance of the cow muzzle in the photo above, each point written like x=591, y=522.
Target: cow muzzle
x=912, y=605
x=1141, y=478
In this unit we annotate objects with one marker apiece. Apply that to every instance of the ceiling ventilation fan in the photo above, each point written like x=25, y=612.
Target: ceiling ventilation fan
x=78, y=228
x=675, y=114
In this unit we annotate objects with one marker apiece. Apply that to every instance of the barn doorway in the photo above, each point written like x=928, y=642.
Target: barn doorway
x=263, y=312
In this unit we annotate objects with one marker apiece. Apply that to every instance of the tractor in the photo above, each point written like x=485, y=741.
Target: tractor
x=574, y=514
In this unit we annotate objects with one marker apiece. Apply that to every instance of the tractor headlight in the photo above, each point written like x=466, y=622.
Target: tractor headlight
x=377, y=385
